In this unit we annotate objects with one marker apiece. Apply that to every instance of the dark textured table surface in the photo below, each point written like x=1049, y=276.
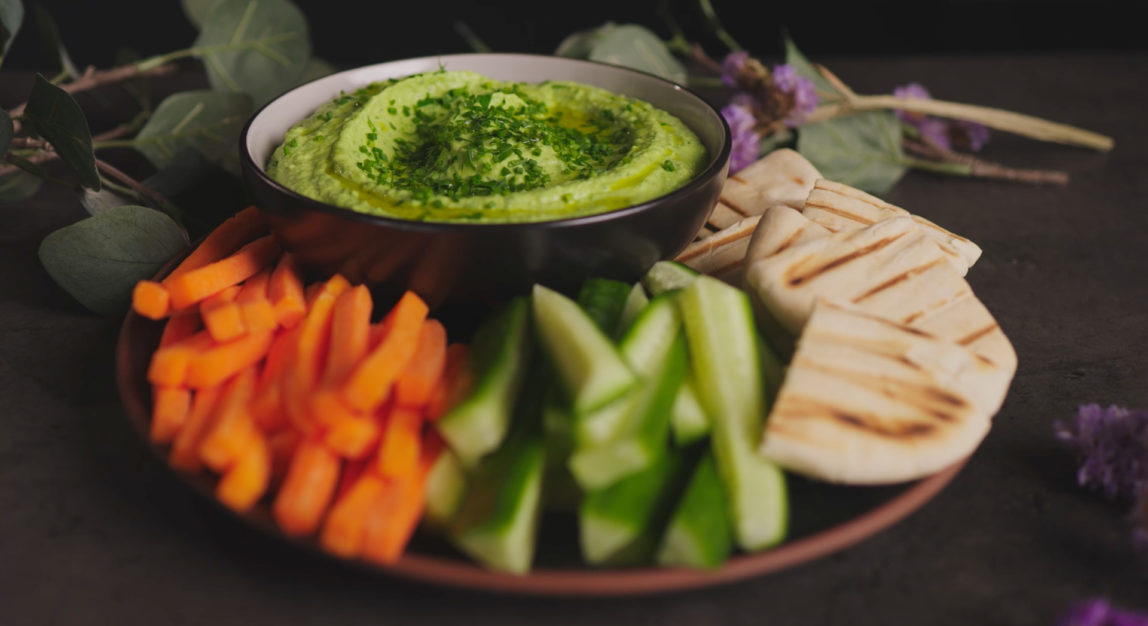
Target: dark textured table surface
x=93, y=531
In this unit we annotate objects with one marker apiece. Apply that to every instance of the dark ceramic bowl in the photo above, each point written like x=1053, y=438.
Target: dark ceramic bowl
x=458, y=262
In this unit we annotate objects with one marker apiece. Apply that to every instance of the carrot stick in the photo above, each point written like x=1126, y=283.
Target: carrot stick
x=180, y=327
x=171, y=406
x=352, y=470
x=233, y=429
x=255, y=288
x=350, y=331
x=397, y=511
x=248, y=477
x=185, y=448
x=225, y=239
x=267, y=405
x=352, y=437
x=346, y=527
x=258, y=315
x=170, y=364
x=151, y=300
x=195, y=285
x=399, y=449
x=282, y=444
x=285, y=289
x=439, y=399
x=221, y=315
x=371, y=382
x=216, y=364
x=313, y=337
x=413, y=387
x=307, y=489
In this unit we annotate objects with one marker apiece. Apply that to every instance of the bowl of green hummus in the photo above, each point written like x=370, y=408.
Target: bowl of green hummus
x=475, y=175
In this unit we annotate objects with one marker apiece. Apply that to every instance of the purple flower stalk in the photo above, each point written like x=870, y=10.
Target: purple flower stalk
x=1098, y=612
x=1112, y=444
x=732, y=67
x=746, y=142
x=801, y=89
x=943, y=133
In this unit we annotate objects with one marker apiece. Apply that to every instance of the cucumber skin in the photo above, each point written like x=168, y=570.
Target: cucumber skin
x=603, y=300
x=499, y=358
x=617, y=523
x=724, y=347
x=636, y=302
x=700, y=533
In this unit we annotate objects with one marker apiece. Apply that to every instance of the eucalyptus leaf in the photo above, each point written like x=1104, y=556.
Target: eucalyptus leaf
x=53, y=45
x=11, y=16
x=639, y=48
x=804, y=67
x=18, y=185
x=96, y=202
x=197, y=10
x=208, y=121
x=56, y=117
x=579, y=45
x=6, y=131
x=259, y=47
x=862, y=150
x=99, y=259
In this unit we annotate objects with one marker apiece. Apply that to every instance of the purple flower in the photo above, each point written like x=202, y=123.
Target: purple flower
x=1098, y=612
x=944, y=133
x=746, y=142
x=732, y=66
x=1112, y=445
x=801, y=89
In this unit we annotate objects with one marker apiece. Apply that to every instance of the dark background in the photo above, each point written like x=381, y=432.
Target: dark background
x=352, y=32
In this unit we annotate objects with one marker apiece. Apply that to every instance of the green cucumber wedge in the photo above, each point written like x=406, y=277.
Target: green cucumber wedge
x=603, y=301
x=666, y=276
x=636, y=301
x=562, y=492
x=498, y=359
x=616, y=523
x=497, y=522
x=646, y=429
x=589, y=366
x=644, y=348
x=688, y=420
x=724, y=348
x=445, y=489
x=700, y=532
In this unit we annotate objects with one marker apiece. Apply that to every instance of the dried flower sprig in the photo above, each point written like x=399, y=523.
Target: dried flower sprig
x=1112, y=446
x=1100, y=612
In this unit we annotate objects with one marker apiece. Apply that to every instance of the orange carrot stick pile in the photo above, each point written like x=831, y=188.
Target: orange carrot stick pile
x=305, y=398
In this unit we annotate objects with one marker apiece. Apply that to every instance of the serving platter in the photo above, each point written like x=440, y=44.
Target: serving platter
x=824, y=518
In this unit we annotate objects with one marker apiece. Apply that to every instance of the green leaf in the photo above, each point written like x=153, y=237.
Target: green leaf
x=804, y=67
x=208, y=121
x=259, y=47
x=862, y=150
x=137, y=86
x=56, y=117
x=99, y=259
x=639, y=48
x=197, y=10
x=579, y=45
x=53, y=45
x=96, y=202
x=6, y=131
x=18, y=186
x=11, y=16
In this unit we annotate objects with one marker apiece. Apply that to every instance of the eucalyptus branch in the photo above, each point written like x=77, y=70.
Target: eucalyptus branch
x=152, y=195
x=1008, y=121
x=48, y=154
x=984, y=169
x=719, y=31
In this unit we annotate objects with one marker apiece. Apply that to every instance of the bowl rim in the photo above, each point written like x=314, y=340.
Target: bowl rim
x=718, y=163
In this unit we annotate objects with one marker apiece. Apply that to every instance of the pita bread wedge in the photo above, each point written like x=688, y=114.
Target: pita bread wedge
x=840, y=207
x=779, y=228
x=890, y=269
x=723, y=252
x=870, y=401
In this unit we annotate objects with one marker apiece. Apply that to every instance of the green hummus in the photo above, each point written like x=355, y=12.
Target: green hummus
x=457, y=146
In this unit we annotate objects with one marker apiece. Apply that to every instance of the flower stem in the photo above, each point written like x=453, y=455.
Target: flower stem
x=979, y=168
x=715, y=23
x=952, y=169
x=1000, y=119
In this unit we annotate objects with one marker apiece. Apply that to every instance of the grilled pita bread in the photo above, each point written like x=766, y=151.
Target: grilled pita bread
x=870, y=401
x=840, y=207
x=891, y=269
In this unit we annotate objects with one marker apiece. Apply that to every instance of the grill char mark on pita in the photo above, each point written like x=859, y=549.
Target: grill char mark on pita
x=795, y=279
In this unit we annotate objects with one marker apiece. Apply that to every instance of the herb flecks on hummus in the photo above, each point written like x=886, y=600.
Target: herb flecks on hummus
x=457, y=146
